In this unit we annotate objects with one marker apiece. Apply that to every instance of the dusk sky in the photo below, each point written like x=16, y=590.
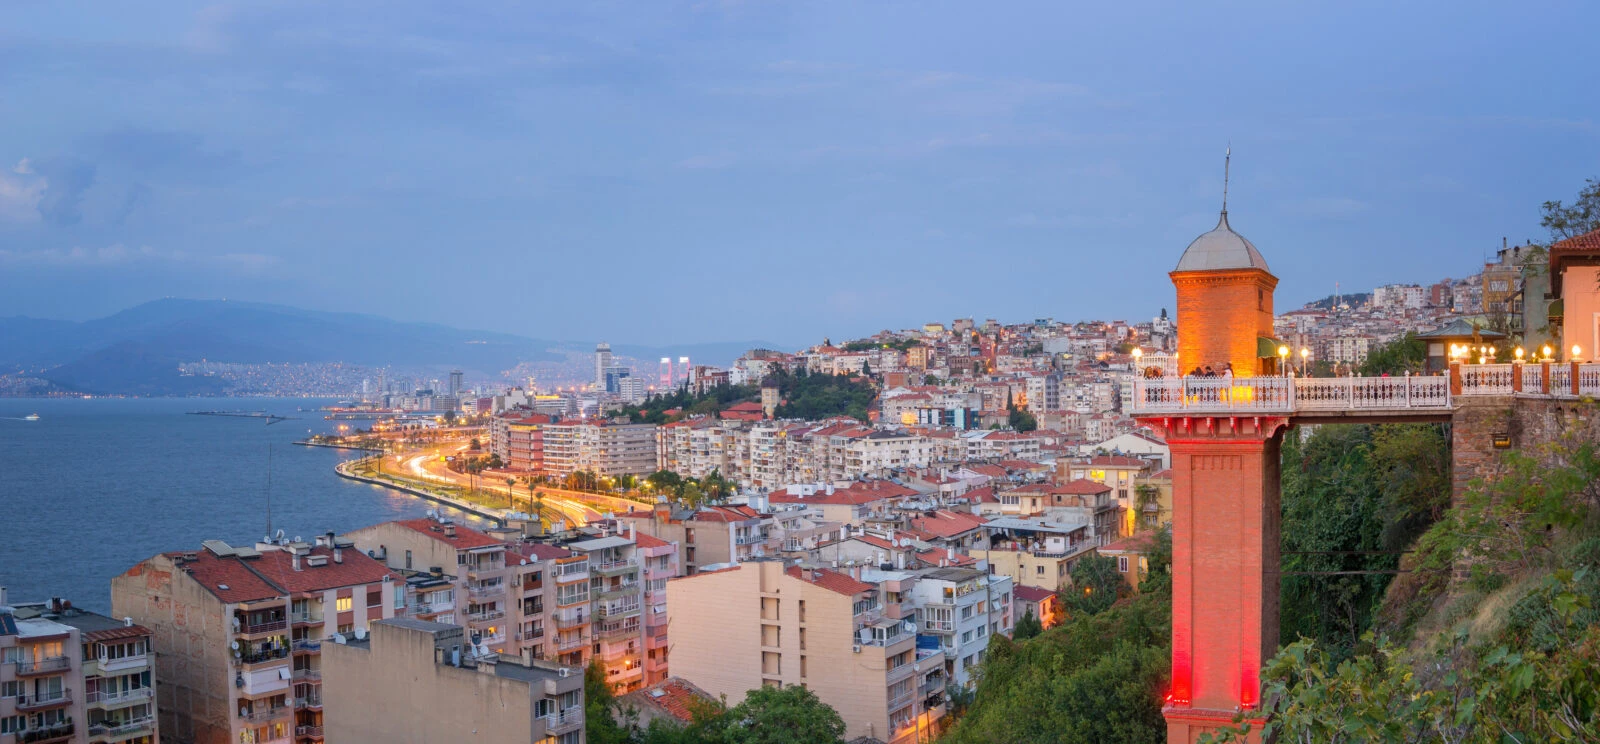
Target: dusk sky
x=665, y=172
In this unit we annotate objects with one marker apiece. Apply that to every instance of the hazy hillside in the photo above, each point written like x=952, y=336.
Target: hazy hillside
x=137, y=351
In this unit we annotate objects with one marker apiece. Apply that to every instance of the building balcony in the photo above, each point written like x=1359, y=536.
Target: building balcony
x=614, y=568
x=47, y=665
x=563, y=720
x=265, y=714
x=568, y=643
x=572, y=599
x=118, y=698
x=251, y=658
x=621, y=590
x=122, y=729
x=565, y=620
x=28, y=703
x=614, y=610
x=307, y=675
x=569, y=575
x=307, y=646
x=263, y=627
x=309, y=702
x=120, y=665
x=939, y=626
x=484, y=569
x=433, y=608
x=486, y=616
x=749, y=539
x=486, y=591
x=313, y=733
x=47, y=734
x=306, y=618
x=621, y=630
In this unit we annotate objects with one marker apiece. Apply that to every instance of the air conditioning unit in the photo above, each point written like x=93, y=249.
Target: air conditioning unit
x=565, y=672
x=856, y=648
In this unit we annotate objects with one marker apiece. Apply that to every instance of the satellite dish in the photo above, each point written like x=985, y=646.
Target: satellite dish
x=234, y=645
x=361, y=634
x=278, y=534
x=339, y=638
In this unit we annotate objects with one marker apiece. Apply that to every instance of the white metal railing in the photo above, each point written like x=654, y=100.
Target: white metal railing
x=1561, y=379
x=1487, y=379
x=1589, y=379
x=1532, y=377
x=118, y=697
x=1368, y=393
x=1255, y=394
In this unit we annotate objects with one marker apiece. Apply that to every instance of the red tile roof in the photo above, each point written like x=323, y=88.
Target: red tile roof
x=831, y=580
x=277, y=566
x=933, y=558
x=946, y=523
x=466, y=538
x=1082, y=487
x=1135, y=544
x=226, y=578
x=1117, y=461
x=1031, y=594
x=116, y=634
x=540, y=551
x=858, y=493
x=984, y=495
x=675, y=696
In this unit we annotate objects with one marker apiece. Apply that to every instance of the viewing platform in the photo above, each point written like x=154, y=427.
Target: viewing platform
x=1408, y=395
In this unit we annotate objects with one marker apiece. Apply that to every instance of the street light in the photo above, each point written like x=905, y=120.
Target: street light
x=1577, y=352
x=1283, y=360
x=1518, y=352
x=1547, y=351
x=1305, y=358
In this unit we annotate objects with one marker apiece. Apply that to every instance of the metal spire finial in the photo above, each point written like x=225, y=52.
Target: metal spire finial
x=1227, y=162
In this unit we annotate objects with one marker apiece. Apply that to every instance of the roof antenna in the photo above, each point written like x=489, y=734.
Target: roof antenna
x=1227, y=162
x=269, y=489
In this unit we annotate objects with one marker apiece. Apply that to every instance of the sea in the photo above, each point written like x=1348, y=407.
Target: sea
x=97, y=485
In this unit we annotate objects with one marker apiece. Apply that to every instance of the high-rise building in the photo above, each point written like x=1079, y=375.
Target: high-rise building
x=74, y=676
x=239, y=632
x=602, y=365
x=455, y=383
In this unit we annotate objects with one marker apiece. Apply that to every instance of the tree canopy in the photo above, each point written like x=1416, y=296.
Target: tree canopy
x=1580, y=217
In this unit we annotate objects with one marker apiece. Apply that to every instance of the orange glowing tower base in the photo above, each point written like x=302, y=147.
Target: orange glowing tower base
x=1225, y=528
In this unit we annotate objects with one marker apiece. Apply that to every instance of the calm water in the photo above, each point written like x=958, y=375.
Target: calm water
x=96, y=486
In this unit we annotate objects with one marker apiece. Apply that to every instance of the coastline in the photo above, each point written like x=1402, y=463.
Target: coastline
x=498, y=515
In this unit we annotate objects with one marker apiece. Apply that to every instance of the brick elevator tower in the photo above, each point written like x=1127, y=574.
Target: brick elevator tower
x=1225, y=493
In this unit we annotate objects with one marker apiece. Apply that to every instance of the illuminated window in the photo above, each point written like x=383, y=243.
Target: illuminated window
x=342, y=604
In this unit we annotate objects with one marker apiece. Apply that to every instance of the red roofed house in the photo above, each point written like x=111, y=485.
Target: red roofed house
x=1574, y=313
x=1120, y=472
x=1132, y=556
x=674, y=698
x=759, y=623
x=949, y=528
x=1043, y=603
x=849, y=505
x=746, y=411
x=239, y=631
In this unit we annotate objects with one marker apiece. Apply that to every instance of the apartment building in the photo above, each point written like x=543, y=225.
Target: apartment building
x=416, y=682
x=239, y=632
x=706, y=536
x=1035, y=552
x=852, y=503
x=962, y=608
x=115, y=693
x=41, y=677
x=602, y=448
x=659, y=561
x=617, y=592
x=480, y=586
x=738, y=627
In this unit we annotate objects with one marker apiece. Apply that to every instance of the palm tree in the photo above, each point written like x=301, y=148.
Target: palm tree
x=511, y=496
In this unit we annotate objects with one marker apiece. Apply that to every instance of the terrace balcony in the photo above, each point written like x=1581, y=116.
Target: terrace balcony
x=118, y=698
x=275, y=625
x=62, y=731
x=486, y=591
x=29, y=703
x=266, y=713
x=308, y=732
x=614, y=568
x=122, y=729
x=47, y=665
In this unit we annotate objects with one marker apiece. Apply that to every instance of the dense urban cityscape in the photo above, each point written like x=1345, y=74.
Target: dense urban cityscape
x=799, y=373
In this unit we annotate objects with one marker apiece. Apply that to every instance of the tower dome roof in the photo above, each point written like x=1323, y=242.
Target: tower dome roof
x=1221, y=249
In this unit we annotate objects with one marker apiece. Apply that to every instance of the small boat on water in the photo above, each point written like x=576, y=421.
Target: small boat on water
x=31, y=417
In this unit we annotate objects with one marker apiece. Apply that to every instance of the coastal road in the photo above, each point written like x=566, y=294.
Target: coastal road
x=575, y=506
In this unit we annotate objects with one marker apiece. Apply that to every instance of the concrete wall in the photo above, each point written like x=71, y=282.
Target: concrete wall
x=1581, y=309
x=190, y=631
x=393, y=691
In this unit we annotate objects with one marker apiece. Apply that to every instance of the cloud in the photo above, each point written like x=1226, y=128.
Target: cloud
x=118, y=254
x=20, y=194
x=66, y=180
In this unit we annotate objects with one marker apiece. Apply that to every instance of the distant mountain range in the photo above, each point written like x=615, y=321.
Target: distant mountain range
x=137, y=351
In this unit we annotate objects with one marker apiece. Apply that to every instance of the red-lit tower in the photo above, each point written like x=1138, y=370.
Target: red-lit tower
x=1225, y=493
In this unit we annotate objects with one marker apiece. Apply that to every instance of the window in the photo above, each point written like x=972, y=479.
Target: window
x=1039, y=570
x=11, y=724
x=374, y=597
x=1122, y=563
x=408, y=560
x=10, y=689
x=342, y=604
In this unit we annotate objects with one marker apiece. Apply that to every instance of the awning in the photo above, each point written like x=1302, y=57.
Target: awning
x=1557, y=310
x=1267, y=348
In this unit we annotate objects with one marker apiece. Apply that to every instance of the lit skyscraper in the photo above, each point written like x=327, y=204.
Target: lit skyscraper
x=602, y=365
x=455, y=383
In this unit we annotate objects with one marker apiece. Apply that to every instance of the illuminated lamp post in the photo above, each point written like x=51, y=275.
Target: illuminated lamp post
x=1305, y=359
x=1577, y=353
x=1283, y=360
